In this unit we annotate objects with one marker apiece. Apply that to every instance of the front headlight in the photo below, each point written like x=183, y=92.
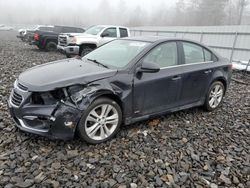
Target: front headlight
x=72, y=40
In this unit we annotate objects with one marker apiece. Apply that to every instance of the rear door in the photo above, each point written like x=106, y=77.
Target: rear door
x=123, y=32
x=197, y=71
x=156, y=92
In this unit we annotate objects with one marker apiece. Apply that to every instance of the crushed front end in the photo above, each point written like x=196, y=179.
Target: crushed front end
x=48, y=113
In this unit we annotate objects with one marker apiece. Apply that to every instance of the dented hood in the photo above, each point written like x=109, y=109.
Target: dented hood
x=63, y=73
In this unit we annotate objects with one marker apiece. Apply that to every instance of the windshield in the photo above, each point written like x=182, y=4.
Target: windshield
x=94, y=30
x=117, y=53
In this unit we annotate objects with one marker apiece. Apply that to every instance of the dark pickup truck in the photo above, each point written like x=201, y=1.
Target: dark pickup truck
x=27, y=35
x=47, y=40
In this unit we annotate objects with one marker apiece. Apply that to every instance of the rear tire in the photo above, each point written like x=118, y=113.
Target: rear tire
x=214, y=96
x=51, y=46
x=100, y=122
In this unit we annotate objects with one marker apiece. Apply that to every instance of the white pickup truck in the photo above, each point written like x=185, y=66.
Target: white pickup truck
x=83, y=43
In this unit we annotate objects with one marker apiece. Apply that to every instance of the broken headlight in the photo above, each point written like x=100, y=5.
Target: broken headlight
x=78, y=93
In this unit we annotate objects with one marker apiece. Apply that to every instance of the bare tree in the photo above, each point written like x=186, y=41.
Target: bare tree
x=211, y=12
x=242, y=5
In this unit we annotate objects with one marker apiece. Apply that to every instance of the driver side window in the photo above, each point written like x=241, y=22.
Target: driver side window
x=164, y=55
x=110, y=32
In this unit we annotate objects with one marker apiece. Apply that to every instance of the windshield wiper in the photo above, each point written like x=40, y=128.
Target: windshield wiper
x=97, y=62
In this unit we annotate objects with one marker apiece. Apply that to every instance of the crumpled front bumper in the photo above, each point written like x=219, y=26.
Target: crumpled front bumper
x=55, y=121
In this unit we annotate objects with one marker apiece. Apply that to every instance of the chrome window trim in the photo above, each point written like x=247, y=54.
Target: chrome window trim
x=173, y=66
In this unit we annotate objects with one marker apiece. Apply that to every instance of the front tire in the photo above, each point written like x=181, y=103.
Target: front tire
x=214, y=96
x=100, y=122
x=85, y=50
x=68, y=56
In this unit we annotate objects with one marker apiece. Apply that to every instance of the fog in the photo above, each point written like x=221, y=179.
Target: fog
x=124, y=12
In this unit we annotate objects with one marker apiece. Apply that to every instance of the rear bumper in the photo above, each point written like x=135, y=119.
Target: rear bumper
x=70, y=50
x=54, y=121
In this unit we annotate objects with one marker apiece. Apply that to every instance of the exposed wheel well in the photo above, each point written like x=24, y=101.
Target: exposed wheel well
x=113, y=97
x=223, y=81
x=50, y=40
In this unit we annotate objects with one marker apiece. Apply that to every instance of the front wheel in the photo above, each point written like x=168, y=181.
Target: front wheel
x=85, y=50
x=100, y=122
x=68, y=56
x=214, y=96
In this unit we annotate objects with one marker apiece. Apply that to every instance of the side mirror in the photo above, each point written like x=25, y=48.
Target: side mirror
x=104, y=35
x=148, y=67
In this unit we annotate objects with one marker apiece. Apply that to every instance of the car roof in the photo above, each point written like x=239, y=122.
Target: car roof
x=158, y=39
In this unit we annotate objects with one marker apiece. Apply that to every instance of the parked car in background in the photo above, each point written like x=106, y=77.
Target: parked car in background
x=5, y=28
x=27, y=35
x=123, y=81
x=81, y=44
x=48, y=38
x=22, y=34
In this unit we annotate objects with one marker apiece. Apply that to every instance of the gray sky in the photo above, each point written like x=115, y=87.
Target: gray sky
x=50, y=11
x=121, y=12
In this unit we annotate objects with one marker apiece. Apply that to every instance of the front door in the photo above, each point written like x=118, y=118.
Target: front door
x=107, y=35
x=156, y=92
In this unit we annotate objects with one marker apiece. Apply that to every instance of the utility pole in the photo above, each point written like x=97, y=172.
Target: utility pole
x=242, y=5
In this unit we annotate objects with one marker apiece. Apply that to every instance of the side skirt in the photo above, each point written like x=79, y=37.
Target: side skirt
x=145, y=117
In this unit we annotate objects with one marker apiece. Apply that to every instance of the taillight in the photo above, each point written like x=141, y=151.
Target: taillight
x=36, y=36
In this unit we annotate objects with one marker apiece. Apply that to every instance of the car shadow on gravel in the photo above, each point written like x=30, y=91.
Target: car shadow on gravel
x=126, y=131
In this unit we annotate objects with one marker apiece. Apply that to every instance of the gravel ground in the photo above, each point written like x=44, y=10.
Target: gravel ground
x=190, y=148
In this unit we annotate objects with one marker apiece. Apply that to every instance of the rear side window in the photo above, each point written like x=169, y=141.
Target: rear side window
x=209, y=56
x=193, y=53
x=164, y=55
x=123, y=32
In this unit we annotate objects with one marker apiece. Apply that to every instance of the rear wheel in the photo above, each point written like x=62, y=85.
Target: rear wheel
x=85, y=50
x=51, y=46
x=100, y=122
x=214, y=96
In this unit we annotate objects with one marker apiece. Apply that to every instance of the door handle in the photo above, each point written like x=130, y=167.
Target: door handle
x=176, y=78
x=207, y=71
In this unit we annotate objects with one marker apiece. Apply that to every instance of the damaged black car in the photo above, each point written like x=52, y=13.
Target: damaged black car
x=121, y=82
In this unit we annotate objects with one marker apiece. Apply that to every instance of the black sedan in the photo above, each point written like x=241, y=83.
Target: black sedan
x=122, y=82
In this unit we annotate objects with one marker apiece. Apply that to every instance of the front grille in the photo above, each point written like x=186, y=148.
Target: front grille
x=22, y=87
x=16, y=99
x=62, y=41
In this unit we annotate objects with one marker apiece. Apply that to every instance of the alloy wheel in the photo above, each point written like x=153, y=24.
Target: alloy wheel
x=101, y=122
x=216, y=95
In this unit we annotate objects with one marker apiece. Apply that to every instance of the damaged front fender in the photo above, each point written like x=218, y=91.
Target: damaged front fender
x=66, y=120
